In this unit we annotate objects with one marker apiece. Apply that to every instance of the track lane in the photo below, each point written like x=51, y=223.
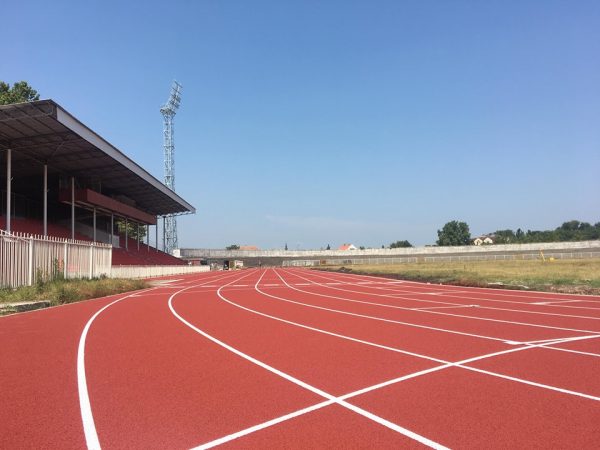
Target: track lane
x=526, y=300
x=524, y=346
x=493, y=330
x=40, y=404
x=543, y=365
x=154, y=383
x=137, y=333
x=481, y=312
x=513, y=388
x=316, y=358
x=327, y=428
x=267, y=366
x=470, y=410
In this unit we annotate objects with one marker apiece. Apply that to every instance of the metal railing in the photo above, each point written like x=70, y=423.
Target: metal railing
x=26, y=259
x=441, y=258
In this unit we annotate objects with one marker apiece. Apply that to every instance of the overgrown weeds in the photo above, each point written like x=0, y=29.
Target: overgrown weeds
x=60, y=291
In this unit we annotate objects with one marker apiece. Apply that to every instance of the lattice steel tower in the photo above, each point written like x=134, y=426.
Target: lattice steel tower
x=168, y=111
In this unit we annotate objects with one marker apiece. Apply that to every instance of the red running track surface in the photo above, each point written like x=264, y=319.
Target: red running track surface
x=291, y=358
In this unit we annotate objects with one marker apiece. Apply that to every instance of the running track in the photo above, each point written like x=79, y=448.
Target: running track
x=291, y=358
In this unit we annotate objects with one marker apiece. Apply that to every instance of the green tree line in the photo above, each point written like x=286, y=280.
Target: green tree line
x=572, y=230
x=457, y=233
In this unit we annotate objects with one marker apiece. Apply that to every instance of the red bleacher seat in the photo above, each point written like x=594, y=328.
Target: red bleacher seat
x=120, y=256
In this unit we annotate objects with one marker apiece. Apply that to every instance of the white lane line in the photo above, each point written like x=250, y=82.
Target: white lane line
x=150, y=294
x=87, y=417
x=423, y=440
x=458, y=364
x=558, y=301
x=413, y=324
x=431, y=293
x=487, y=319
x=261, y=426
x=549, y=343
x=443, y=307
x=565, y=340
x=508, y=342
x=475, y=292
x=317, y=406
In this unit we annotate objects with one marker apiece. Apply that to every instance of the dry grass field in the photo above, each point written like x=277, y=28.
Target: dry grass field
x=571, y=276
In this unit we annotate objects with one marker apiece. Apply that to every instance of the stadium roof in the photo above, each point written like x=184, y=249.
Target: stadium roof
x=45, y=132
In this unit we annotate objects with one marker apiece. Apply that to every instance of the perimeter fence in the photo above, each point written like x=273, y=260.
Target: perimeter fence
x=26, y=259
x=440, y=258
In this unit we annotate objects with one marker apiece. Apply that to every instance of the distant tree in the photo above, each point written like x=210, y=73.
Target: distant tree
x=328, y=247
x=20, y=92
x=454, y=233
x=519, y=235
x=286, y=247
x=362, y=247
x=132, y=230
x=232, y=247
x=382, y=246
x=504, y=237
x=400, y=244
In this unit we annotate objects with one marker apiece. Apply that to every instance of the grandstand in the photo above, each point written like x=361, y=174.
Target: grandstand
x=59, y=178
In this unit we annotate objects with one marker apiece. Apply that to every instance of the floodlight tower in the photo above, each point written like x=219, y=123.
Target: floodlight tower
x=168, y=111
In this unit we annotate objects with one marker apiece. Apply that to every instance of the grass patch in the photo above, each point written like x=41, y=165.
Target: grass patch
x=568, y=276
x=59, y=292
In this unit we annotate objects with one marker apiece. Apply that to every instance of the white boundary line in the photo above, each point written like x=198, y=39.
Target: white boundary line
x=427, y=327
x=475, y=291
x=395, y=427
x=444, y=365
x=510, y=342
x=261, y=426
x=408, y=296
x=460, y=364
x=492, y=291
x=87, y=418
x=527, y=324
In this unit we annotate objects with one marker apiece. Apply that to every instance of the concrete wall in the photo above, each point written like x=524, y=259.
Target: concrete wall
x=187, y=253
x=154, y=271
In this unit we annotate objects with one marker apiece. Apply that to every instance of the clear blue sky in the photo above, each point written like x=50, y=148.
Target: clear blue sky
x=323, y=122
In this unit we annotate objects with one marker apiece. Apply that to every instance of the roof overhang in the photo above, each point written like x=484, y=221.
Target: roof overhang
x=44, y=132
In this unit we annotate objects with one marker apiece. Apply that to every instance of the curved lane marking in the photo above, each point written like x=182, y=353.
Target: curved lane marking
x=87, y=417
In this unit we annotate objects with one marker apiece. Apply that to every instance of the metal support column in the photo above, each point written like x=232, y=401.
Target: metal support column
x=72, y=207
x=138, y=236
x=126, y=234
x=147, y=237
x=156, y=238
x=8, y=187
x=45, y=199
x=164, y=231
x=94, y=224
x=112, y=228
